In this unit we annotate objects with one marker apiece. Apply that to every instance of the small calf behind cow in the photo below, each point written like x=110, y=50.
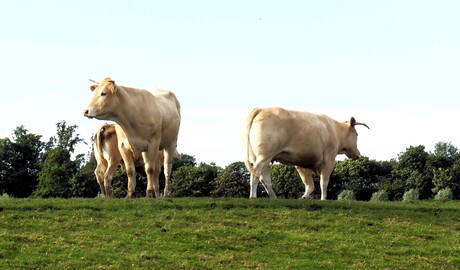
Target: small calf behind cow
x=309, y=141
x=108, y=157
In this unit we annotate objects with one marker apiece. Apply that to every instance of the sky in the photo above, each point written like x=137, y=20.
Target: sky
x=394, y=65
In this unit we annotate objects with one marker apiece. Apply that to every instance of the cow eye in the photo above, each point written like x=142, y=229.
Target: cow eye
x=103, y=93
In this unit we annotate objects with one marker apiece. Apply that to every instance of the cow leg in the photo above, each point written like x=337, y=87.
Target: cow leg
x=307, y=179
x=99, y=172
x=254, y=182
x=153, y=187
x=108, y=176
x=326, y=171
x=261, y=167
x=266, y=181
x=157, y=171
x=167, y=166
x=131, y=173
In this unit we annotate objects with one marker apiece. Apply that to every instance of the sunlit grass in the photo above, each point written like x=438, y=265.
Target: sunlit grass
x=209, y=233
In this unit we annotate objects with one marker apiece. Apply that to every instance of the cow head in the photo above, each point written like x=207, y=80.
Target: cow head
x=104, y=101
x=350, y=144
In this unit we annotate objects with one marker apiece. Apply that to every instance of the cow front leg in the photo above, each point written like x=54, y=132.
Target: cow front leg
x=326, y=171
x=307, y=179
x=153, y=187
x=167, y=166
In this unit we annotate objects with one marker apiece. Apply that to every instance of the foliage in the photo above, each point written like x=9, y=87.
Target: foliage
x=444, y=195
x=209, y=233
x=84, y=183
x=286, y=181
x=380, y=195
x=411, y=171
x=446, y=168
x=363, y=176
x=57, y=167
x=348, y=195
x=19, y=163
x=233, y=181
x=194, y=181
x=411, y=195
x=57, y=170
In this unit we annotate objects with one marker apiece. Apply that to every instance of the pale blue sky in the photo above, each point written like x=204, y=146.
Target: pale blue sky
x=392, y=64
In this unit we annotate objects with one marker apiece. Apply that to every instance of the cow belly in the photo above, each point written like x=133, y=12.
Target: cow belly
x=305, y=161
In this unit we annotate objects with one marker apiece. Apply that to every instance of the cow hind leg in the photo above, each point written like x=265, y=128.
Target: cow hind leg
x=108, y=176
x=99, y=172
x=131, y=173
x=254, y=182
x=262, y=169
x=307, y=179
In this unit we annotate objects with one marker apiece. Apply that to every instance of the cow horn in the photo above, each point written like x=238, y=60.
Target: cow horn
x=362, y=124
x=94, y=81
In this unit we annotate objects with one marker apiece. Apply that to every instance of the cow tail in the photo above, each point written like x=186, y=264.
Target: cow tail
x=249, y=121
x=99, y=141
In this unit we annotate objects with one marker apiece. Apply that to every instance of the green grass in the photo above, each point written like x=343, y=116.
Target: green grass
x=207, y=233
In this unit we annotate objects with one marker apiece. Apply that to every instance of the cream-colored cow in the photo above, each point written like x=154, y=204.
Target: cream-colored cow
x=108, y=158
x=309, y=141
x=148, y=121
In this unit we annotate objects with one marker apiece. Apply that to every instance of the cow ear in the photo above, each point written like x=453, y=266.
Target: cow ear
x=93, y=87
x=112, y=87
x=352, y=122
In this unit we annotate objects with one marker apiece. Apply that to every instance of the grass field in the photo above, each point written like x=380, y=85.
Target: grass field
x=207, y=233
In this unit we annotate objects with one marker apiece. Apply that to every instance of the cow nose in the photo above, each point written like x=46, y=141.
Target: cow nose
x=86, y=113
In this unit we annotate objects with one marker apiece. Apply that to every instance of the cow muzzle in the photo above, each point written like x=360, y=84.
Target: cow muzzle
x=87, y=113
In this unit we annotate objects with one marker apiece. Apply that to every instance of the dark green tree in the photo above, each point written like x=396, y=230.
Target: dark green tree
x=194, y=181
x=57, y=168
x=363, y=176
x=84, y=183
x=445, y=164
x=411, y=171
x=19, y=163
x=233, y=181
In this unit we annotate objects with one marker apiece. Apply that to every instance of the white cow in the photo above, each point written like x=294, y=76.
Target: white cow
x=148, y=121
x=309, y=141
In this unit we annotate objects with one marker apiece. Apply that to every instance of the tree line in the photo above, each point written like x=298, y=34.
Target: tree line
x=30, y=167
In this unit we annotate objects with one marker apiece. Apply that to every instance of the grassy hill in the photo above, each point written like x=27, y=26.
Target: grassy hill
x=190, y=233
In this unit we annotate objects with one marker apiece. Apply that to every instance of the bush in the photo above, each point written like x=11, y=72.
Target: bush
x=5, y=196
x=380, y=195
x=348, y=195
x=411, y=195
x=444, y=195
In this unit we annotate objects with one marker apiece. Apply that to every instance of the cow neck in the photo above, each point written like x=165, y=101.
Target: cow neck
x=343, y=133
x=128, y=111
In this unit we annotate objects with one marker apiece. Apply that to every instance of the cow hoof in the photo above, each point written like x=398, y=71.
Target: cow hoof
x=150, y=194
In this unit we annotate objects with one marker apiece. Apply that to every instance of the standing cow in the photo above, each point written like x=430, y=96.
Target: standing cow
x=309, y=141
x=108, y=157
x=148, y=121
